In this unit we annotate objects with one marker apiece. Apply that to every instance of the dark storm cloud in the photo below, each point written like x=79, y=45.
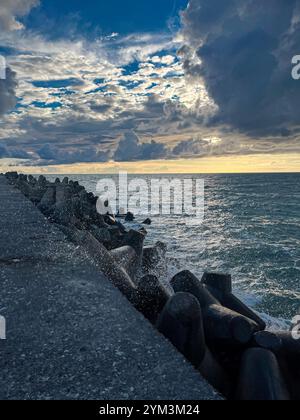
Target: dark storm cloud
x=3, y=152
x=192, y=147
x=245, y=48
x=131, y=149
x=101, y=109
x=54, y=155
x=12, y=153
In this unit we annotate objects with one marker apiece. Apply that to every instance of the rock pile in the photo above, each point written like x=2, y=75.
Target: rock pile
x=68, y=204
x=223, y=338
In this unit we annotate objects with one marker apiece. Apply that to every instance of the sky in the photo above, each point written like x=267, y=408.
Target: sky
x=160, y=86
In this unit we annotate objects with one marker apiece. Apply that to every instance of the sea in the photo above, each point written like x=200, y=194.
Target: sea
x=250, y=229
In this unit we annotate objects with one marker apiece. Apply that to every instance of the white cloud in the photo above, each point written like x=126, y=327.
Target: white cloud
x=104, y=96
x=243, y=51
x=11, y=10
x=166, y=60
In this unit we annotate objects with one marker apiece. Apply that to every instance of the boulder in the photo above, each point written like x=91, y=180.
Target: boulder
x=147, y=222
x=129, y=217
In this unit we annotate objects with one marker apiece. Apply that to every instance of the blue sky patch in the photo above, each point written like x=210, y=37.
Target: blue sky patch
x=57, y=84
x=104, y=17
x=52, y=105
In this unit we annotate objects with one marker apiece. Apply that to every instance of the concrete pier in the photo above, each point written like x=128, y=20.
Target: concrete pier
x=70, y=333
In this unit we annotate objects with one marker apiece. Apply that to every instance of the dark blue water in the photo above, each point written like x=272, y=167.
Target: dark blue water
x=251, y=230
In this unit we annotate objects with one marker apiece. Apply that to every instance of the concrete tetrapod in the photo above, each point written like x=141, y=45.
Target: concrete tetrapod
x=126, y=257
x=220, y=323
x=181, y=322
x=185, y=281
x=260, y=377
x=220, y=285
x=106, y=262
x=287, y=350
x=136, y=241
x=152, y=297
x=229, y=327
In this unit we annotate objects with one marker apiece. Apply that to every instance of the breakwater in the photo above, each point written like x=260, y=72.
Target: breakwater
x=70, y=334
x=219, y=335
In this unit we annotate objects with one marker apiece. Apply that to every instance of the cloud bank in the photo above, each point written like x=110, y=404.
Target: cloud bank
x=54, y=155
x=243, y=50
x=221, y=86
x=9, y=11
x=130, y=149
